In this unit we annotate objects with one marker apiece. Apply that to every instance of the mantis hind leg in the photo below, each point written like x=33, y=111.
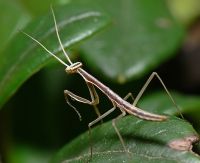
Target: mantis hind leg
x=151, y=77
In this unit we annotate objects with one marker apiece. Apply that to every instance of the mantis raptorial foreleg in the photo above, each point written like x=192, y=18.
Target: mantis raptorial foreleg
x=94, y=99
x=91, y=81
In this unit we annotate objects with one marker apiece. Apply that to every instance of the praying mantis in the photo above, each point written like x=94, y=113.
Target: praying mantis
x=92, y=83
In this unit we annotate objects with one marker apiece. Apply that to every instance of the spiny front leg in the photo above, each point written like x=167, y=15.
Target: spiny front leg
x=94, y=99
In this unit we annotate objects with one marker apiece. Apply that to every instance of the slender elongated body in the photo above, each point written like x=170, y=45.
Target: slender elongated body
x=121, y=103
x=117, y=101
x=115, y=98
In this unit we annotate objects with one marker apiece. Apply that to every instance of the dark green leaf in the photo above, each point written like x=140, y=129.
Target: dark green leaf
x=26, y=154
x=168, y=141
x=143, y=36
x=159, y=102
x=23, y=57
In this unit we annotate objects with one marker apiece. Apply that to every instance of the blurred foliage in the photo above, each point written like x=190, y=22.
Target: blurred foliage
x=19, y=62
x=126, y=52
x=186, y=11
x=132, y=39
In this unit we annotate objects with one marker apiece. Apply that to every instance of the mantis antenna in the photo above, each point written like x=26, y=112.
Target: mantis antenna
x=58, y=36
x=61, y=45
x=92, y=82
x=45, y=49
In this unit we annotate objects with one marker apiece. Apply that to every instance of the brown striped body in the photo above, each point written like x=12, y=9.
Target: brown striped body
x=121, y=103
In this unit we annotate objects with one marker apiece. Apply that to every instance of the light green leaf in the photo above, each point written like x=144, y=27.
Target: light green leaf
x=12, y=17
x=23, y=57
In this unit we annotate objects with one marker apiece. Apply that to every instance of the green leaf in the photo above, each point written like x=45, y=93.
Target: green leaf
x=143, y=35
x=186, y=103
x=20, y=153
x=12, y=16
x=23, y=57
x=167, y=141
x=147, y=141
x=186, y=12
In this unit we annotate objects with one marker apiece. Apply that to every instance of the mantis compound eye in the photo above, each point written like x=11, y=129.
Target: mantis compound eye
x=73, y=67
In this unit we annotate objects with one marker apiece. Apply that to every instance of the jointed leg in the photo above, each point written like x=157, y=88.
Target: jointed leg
x=154, y=74
x=116, y=129
x=119, y=117
x=129, y=95
x=94, y=99
x=113, y=122
x=96, y=121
